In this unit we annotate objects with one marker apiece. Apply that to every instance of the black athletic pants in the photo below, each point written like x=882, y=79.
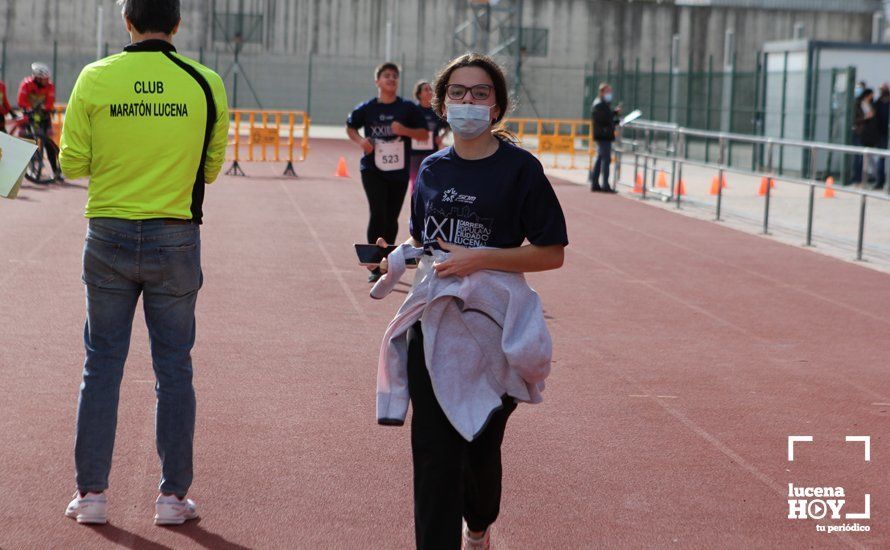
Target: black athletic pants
x=453, y=478
x=385, y=198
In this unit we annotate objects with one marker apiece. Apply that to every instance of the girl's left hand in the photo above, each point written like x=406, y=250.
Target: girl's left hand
x=461, y=261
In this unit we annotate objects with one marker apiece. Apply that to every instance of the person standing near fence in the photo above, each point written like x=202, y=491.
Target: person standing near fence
x=882, y=113
x=150, y=128
x=855, y=137
x=604, y=120
x=866, y=126
x=423, y=94
x=390, y=122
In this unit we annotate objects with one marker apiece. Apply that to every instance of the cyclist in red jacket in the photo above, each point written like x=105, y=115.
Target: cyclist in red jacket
x=5, y=109
x=37, y=93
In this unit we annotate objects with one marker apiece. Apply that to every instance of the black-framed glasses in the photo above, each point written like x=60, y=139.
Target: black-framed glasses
x=456, y=92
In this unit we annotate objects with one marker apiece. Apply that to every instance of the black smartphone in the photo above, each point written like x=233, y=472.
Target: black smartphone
x=371, y=254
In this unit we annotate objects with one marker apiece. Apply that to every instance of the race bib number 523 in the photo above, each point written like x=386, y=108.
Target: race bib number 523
x=389, y=155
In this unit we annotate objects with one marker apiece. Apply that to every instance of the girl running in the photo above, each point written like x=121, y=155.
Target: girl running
x=389, y=122
x=484, y=214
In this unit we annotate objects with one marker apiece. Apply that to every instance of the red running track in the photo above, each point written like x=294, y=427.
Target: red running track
x=685, y=354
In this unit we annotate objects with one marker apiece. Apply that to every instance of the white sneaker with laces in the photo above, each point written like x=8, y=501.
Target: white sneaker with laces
x=89, y=508
x=170, y=510
x=472, y=543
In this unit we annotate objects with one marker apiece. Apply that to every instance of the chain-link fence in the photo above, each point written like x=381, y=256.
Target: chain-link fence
x=803, y=105
x=325, y=86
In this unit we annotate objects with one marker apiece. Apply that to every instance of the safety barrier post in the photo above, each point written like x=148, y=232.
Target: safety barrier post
x=681, y=152
x=289, y=169
x=235, y=168
x=572, y=134
x=861, y=238
x=769, y=170
x=811, y=201
x=721, y=144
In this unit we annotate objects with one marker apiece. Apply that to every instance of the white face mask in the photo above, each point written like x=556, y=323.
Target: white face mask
x=468, y=121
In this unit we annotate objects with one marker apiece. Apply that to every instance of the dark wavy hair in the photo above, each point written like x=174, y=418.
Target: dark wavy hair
x=501, y=95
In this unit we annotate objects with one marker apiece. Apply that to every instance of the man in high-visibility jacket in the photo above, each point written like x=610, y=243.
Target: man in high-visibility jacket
x=149, y=127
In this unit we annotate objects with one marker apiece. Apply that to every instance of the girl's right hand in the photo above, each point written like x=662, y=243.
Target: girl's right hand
x=367, y=146
x=384, y=265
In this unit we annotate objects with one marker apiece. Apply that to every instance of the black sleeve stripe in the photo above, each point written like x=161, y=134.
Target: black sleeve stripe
x=198, y=189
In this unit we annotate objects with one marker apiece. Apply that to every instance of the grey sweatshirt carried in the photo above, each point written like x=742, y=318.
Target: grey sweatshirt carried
x=484, y=335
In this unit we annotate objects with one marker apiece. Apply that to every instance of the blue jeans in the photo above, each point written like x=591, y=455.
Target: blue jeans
x=603, y=160
x=121, y=260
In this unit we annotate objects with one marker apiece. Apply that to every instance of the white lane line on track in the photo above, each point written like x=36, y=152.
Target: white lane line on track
x=336, y=271
x=722, y=447
x=721, y=261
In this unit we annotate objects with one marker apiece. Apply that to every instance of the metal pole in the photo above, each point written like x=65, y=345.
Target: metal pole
x=235, y=70
x=732, y=85
x=674, y=182
x=689, y=91
x=756, y=114
x=636, y=102
x=309, y=87
x=100, y=32
x=645, y=172
x=722, y=153
x=812, y=198
x=3, y=63
x=708, y=106
x=861, y=227
x=651, y=114
x=55, y=59
x=675, y=51
x=769, y=171
x=784, y=98
x=681, y=145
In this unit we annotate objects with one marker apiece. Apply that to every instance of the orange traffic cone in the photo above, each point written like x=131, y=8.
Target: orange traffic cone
x=715, y=186
x=829, y=192
x=764, y=181
x=341, y=168
x=638, y=183
x=662, y=181
x=681, y=187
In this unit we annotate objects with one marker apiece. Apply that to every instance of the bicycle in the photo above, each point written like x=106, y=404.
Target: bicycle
x=31, y=126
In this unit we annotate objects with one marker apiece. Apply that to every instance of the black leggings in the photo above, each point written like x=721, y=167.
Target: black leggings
x=453, y=478
x=52, y=150
x=385, y=198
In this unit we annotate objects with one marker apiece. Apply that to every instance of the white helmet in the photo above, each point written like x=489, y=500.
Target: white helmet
x=40, y=70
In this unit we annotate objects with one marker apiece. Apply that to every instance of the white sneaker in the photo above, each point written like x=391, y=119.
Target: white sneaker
x=90, y=508
x=472, y=543
x=169, y=510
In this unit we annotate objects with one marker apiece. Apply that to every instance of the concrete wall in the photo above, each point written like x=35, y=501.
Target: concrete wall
x=348, y=37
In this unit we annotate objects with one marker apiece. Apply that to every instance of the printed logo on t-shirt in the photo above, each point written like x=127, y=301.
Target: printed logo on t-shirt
x=384, y=129
x=459, y=226
x=451, y=195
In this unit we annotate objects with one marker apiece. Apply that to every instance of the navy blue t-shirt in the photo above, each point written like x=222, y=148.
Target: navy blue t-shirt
x=435, y=125
x=377, y=118
x=499, y=201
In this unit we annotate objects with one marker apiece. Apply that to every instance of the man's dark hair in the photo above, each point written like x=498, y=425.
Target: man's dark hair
x=151, y=15
x=384, y=66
